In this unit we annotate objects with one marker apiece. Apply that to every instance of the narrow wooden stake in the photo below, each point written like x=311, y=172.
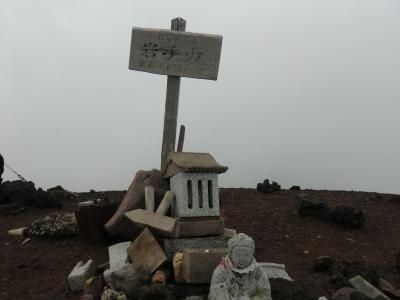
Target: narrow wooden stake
x=181, y=139
x=149, y=198
x=165, y=203
x=171, y=104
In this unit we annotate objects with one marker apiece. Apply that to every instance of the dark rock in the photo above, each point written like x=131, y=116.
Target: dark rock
x=282, y=289
x=295, y=188
x=348, y=216
x=11, y=209
x=45, y=199
x=25, y=193
x=267, y=187
x=57, y=188
x=347, y=293
x=309, y=208
x=323, y=263
x=358, y=296
x=343, y=271
x=156, y=292
x=91, y=220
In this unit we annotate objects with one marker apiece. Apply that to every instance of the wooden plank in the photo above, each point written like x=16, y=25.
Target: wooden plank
x=170, y=52
x=165, y=203
x=166, y=226
x=149, y=198
x=146, y=254
x=171, y=105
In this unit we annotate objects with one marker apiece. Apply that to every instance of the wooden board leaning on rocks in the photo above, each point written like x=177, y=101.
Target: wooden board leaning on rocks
x=175, y=53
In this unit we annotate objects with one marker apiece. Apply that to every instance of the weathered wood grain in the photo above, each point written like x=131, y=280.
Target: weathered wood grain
x=170, y=52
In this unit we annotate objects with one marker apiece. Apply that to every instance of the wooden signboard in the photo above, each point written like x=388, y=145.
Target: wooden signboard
x=176, y=53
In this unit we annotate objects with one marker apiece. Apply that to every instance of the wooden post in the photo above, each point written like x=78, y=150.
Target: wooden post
x=171, y=104
x=181, y=139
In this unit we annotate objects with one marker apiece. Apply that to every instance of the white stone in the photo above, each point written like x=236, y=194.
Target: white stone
x=118, y=255
x=322, y=298
x=273, y=270
x=364, y=287
x=79, y=274
x=197, y=203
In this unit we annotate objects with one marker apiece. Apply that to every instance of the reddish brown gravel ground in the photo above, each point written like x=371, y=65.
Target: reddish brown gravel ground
x=38, y=269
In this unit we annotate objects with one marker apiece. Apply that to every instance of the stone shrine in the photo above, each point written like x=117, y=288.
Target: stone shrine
x=194, y=181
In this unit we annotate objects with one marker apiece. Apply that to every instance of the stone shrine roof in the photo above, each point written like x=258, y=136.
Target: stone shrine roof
x=192, y=162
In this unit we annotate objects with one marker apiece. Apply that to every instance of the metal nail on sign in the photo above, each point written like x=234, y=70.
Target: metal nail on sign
x=175, y=53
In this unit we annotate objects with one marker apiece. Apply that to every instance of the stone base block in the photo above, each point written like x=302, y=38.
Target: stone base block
x=171, y=246
x=199, y=264
x=195, y=227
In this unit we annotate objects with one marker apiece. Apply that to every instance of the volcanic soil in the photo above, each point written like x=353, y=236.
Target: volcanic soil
x=38, y=268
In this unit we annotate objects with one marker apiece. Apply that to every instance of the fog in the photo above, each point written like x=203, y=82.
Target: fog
x=307, y=93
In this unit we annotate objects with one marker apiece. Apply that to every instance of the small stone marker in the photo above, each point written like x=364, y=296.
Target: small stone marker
x=165, y=203
x=117, y=255
x=146, y=254
x=164, y=225
x=203, y=226
x=149, y=198
x=79, y=274
x=364, y=287
x=199, y=264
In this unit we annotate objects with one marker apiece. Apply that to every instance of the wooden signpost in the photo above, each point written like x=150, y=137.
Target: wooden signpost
x=175, y=53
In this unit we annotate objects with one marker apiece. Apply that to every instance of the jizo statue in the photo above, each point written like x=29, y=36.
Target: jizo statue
x=239, y=277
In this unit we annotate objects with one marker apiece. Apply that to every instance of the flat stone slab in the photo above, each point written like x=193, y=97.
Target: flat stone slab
x=163, y=225
x=117, y=255
x=273, y=270
x=364, y=287
x=199, y=264
x=171, y=246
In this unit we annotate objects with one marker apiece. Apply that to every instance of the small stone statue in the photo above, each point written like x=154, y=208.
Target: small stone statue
x=238, y=276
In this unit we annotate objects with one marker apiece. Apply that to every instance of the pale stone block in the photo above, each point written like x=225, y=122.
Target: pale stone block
x=80, y=273
x=117, y=255
x=364, y=287
x=196, y=195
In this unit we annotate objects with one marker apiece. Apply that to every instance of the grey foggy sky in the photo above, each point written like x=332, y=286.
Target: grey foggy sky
x=308, y=92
